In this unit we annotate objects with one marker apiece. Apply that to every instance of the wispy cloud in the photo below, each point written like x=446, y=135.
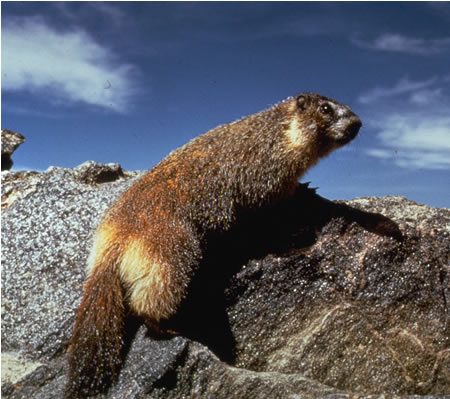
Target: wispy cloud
x=94, y=10
x=256, y=21
x=427, y=96
x=415, y=141
x=412, y=123
x=403, y=86
x=394, y=42
x=67, y=66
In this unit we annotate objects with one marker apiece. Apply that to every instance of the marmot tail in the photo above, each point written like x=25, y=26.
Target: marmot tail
x=97, y=341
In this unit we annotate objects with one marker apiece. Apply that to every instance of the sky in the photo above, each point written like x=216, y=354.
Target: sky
x=128, y=82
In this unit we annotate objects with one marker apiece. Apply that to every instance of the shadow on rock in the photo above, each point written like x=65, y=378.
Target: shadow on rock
x=291, y=225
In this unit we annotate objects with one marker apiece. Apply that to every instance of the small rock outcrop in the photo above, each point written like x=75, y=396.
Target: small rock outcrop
x=309, y=299
x=10, y=141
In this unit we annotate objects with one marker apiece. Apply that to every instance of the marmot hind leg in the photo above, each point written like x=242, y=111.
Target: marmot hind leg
x=155, y=284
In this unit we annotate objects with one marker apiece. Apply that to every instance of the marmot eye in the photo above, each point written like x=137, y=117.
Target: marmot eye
x=326, y=109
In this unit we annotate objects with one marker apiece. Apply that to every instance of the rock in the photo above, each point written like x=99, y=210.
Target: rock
x=92, y=172
x=14, y=368
x=309, y=299
x=48, y=218
x=10, y=141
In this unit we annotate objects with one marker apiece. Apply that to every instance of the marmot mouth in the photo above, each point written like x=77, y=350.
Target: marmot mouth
x=351, y=132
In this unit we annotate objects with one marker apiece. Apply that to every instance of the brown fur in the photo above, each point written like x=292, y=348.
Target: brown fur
x=151, y=240
x=97, y=340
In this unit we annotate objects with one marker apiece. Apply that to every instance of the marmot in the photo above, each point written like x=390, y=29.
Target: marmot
x=150, y=242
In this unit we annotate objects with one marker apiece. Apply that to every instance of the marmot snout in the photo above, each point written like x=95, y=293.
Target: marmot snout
x=150, y=242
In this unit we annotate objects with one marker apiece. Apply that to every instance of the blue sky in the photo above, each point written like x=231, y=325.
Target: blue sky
x=129, y=82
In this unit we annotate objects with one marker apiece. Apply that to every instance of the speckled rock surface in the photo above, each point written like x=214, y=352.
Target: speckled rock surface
x=310, y=299
x=10, y=141
x=371, y=314
x=47, y=221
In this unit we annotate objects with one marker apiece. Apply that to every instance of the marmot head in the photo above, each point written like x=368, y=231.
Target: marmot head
x=320, y=124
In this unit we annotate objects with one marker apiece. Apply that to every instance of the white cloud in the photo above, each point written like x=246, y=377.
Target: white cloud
x=63, y=66
x=414, y=140
x=394, y=42
x=412, y=123
x=403, y=86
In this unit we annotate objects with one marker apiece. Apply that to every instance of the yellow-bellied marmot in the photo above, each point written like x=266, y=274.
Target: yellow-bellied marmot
x=150, y=241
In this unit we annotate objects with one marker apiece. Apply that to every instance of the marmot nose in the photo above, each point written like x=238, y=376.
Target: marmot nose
x=353, y=128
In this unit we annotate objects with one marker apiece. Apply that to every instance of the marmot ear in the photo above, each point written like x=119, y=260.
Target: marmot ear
x=302, y=102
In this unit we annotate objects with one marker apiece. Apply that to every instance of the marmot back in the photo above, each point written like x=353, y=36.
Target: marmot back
x=150, y=242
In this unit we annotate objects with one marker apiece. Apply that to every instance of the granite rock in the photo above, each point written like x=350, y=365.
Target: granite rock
x=309, y=299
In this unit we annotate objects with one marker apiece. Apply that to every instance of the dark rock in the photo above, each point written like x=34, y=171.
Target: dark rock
x=95, y=173
x=311, y=298
x=10, y=141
